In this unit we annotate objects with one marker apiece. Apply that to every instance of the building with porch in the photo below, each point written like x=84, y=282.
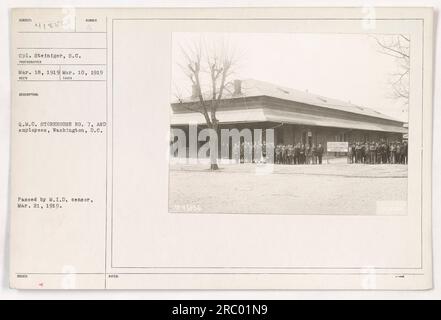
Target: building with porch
x=296, y=116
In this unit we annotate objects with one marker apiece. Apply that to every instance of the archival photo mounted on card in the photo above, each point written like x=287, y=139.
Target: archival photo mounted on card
x=271, y=148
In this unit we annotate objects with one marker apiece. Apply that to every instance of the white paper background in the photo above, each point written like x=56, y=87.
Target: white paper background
x=6, y=293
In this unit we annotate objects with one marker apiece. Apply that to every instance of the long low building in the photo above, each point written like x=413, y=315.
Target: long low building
x=296, y=116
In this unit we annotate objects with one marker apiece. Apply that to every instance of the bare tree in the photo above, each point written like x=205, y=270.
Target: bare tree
x=208, y=68
x=398, y=47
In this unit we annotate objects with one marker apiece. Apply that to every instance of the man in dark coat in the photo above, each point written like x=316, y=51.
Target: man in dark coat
x=278, y=152
x=358, y=152
x=302, y=154
x=379, y=152
x=297, y=154
x=404, y=153
x=314, y=154
x=350, y=153
x=383, y=153
x=372, y=153
x=320, y=151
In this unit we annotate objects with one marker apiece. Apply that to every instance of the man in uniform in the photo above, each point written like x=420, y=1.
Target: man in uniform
x=290, y=154
x=350, y=153
x=283, y=154
x=314, y=154
x=320, y=151
x=372, y=153
x=387, y=144
x=278, y=153
x=378, y=153
x=297, y=153
x=384, y=153
x=393, y=153
x=308, y=153
x=357, y=152
x=404, y=153
x=398, y=152
x=366, y=152
x=302, y=154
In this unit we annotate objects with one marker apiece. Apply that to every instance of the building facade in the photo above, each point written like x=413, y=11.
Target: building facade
x=296, y=116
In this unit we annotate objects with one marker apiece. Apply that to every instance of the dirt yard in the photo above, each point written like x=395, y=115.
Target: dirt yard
x=337, y=188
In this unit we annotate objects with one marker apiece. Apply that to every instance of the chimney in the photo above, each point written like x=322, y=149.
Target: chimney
x=194, y=91
x=237, y=86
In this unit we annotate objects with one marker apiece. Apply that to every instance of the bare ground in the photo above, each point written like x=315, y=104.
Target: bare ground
x=337, y=188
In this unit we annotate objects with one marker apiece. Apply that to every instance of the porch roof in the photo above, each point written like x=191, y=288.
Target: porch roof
x=269, y=115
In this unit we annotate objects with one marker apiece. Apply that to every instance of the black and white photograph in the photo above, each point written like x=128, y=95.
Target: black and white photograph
x=289, y=123
x=222, y=149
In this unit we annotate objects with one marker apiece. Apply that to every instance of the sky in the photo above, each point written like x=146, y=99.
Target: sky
x=348, y=67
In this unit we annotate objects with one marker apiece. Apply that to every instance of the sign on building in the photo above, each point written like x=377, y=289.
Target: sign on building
x=335, y=146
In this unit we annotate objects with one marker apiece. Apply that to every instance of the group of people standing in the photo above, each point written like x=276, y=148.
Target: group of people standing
x=283, y=154
x=380, y=152
x=299, y=154
x=252, y=152
x=374, y=152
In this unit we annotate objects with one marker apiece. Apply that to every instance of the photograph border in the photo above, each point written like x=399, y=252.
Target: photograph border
x=273, y=268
